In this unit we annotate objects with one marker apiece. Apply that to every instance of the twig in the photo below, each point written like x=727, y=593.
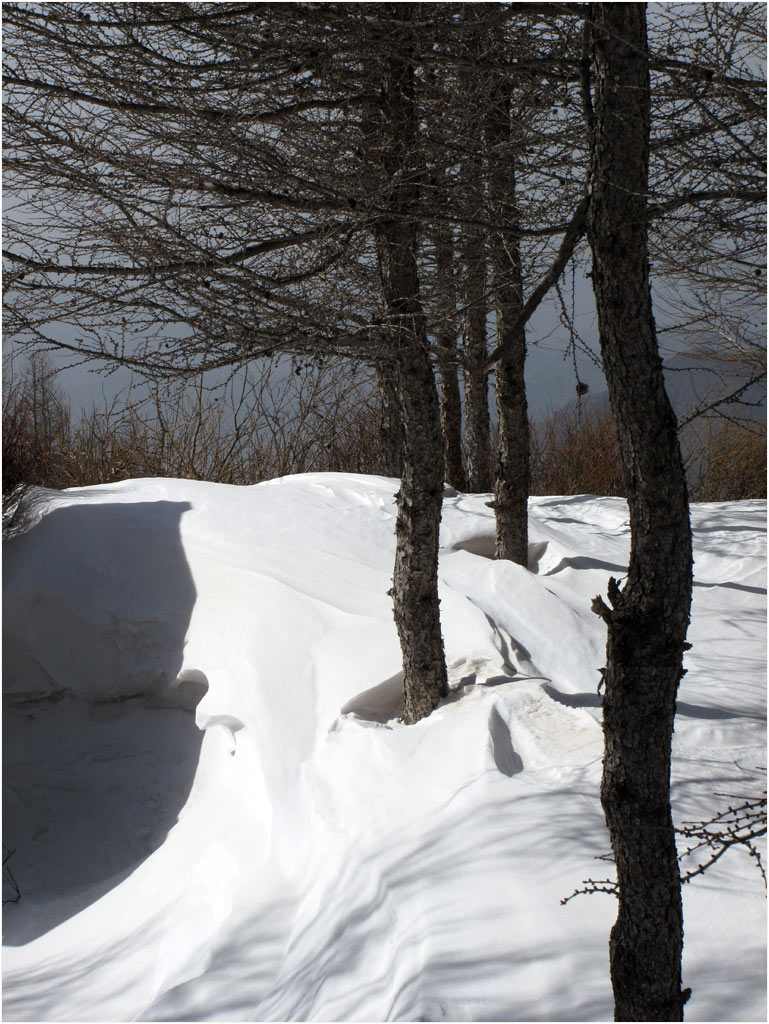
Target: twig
x=8, y=877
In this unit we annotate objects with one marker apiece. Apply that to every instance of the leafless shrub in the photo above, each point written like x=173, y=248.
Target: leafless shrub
x=727, y=460
x=37, y=428
x=271, y=421
x=575, y=451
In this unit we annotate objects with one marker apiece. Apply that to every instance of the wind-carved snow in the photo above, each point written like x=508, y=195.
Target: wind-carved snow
x=215, y=813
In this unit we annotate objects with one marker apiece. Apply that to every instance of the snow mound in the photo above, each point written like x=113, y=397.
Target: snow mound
x=215, y=814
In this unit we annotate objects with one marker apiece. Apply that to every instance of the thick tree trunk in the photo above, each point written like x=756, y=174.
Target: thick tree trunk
x=391, y=428
x=648, y=617
x=415, y=579
x=448, y=357
x=512, y=476
x=420, y=499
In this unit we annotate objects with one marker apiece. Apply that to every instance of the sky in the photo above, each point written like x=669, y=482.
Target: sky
x=550, y=377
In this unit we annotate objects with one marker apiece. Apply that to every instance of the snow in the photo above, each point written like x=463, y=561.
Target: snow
x=216, y=815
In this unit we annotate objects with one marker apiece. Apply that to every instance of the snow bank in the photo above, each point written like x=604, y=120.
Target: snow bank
x=290, y=851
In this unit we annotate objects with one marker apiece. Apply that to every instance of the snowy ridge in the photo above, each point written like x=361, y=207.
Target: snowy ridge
x=290, y=851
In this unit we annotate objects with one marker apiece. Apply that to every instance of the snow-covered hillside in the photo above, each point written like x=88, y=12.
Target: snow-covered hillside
x=215, y=814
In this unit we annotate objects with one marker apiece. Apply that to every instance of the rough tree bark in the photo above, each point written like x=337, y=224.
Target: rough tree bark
x=512, y=476
x=648, y=617
x=447, y=359
x=415, y=579
x=391, y=427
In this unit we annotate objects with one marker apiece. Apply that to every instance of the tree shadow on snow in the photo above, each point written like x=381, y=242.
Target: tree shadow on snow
x=384, y=944
x=100, y=748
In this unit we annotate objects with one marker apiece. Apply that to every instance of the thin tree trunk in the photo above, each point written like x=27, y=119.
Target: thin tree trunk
x=512, y=478
x=415, y=579
x=447, y=358
x=474, y=353
x=472, y=253
x=648, y=617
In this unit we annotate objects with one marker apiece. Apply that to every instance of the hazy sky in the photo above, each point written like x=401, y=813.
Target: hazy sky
x=550, y=374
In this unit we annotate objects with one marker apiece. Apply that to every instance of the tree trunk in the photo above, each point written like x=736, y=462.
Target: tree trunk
x=391, y=428
x=474, y=352
x=512, y=476
x=648, y=617
x=447, y=357
x=420, y=498
x=473, y=257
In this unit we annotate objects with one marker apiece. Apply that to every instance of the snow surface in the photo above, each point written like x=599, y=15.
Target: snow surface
x=215, y=814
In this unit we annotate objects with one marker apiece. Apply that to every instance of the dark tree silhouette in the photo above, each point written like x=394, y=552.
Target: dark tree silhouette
x=647, y=619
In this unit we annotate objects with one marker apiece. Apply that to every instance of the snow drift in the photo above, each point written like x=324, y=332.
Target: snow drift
x=215, y=814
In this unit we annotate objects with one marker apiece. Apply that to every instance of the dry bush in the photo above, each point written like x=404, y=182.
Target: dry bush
x=727, y=461
x=269, y=422
x=37, y=428
x=275, y=420
x=575, y=451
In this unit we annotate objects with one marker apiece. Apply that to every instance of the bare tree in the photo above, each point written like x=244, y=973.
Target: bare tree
x=415, y=581
x=447, y=355
x=708, y=198
x=512, y=480
x=472, y=252
x=232, y=213
x=646, y=619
